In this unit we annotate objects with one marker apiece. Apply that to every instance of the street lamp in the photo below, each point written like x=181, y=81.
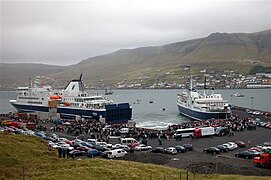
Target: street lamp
x=252, y=102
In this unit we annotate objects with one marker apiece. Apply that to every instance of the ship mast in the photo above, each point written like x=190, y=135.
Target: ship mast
x=204, y=93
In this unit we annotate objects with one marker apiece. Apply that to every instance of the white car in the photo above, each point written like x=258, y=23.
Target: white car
x=228, y=146
x=67, y=146
x=235, y=146
x=171, y=150
x=120, y=146
x=61, y=139
x=104, y=144
x=142, y=147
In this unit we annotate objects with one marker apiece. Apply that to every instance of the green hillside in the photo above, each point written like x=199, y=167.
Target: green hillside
x=28, y=157
x=220, y=51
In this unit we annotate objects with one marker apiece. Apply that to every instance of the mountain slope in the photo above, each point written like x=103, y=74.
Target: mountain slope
x=230, y=50
x=233, y=51
x=20, y=73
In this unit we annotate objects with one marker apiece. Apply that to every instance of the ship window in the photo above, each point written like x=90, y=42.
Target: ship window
x=73, y=87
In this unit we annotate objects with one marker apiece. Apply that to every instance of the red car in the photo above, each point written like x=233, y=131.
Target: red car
x=240, y=144
x=255, y=148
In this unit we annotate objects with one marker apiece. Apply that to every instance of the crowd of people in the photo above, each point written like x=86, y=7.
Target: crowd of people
x=235, y=124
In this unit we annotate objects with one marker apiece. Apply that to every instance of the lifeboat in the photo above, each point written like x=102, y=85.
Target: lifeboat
x=55, y=97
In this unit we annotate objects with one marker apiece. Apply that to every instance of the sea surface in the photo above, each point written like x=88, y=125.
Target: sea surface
x=152, y=115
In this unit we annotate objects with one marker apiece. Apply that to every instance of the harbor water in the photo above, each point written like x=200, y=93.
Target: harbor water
x=163, y=111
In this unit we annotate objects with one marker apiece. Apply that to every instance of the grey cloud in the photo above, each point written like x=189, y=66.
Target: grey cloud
x=65, y=32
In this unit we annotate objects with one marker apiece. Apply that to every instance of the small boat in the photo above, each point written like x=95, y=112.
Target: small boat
x=108, y=91
x=151, y=100
x=239, y=95
x=138, y=101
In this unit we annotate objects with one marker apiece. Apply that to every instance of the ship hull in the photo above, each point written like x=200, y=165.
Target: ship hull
x=198, y=115
x=115, y=113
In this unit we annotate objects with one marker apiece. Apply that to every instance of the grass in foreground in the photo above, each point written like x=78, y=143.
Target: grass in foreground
x=29, y=156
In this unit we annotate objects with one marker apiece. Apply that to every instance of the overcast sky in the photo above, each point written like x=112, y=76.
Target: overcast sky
x=66, y=32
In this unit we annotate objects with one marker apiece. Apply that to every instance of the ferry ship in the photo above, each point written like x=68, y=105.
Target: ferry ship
x=202, y=106
x=71, y=102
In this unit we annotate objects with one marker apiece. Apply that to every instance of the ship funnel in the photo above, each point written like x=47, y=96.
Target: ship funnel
x=75, y=85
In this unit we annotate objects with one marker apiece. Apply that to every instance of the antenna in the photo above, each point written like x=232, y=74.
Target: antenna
x=30, y=82
x=204, y=84
x=80, y=78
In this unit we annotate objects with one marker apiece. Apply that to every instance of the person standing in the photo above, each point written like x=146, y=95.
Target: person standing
x=68, y=153
x=59, y=152
x=159, y=141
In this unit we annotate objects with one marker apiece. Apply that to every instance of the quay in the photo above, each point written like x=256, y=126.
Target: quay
x=191, y=160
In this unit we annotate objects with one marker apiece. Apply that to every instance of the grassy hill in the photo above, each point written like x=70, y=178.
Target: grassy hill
x=218, y=51
x=29, y=157
x=221, y=51
x=19, y=73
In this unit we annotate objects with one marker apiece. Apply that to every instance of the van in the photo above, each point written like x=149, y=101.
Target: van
x=92, y=141
x=222, y=131
x=127, y=141
x=116, y=153
x=124, y=130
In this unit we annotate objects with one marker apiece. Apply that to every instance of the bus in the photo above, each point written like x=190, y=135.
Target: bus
x=187, y=132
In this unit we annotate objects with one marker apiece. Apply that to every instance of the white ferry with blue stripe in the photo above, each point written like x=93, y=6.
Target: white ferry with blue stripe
x=71, y=102
x=202, y=106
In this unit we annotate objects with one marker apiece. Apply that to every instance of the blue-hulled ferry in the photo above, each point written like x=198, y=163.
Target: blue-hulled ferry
x=204, y=106
x=71, y=102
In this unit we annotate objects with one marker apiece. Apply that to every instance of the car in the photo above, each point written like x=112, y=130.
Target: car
x=241, y=144
x=76, y=142
x=235, y=146
x=133, y=145
x=267, y=143
x=249, y=111
x=67, y=146
x=101, y=148
x=189, y=147
x=142, y=147
x=120, y=146
x=257, y=113
x=212, y=150
x=76, y=153
x=255, y=153
x=93, y=153
x=61, y=139
x=228, y=146
x=255, y=148
x=116, y=153
x=221, y=131
x=83, y=148
x=92, y=141
x=222, y=148
x=170, y=150
x=245, y=154
x=86, y=144
x=104, y=144
x=157, y=150
x=180, y=149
